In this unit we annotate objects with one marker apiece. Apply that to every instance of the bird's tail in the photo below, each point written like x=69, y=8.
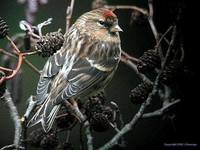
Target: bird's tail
x=45, y=114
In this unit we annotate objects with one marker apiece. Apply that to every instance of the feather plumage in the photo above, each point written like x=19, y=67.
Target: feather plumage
x=85, y=64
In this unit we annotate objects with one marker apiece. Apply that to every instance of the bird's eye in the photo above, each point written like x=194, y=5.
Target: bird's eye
x=104, y=24
x=101, y=22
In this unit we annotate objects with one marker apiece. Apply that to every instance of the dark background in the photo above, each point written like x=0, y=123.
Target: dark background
x=149, y=133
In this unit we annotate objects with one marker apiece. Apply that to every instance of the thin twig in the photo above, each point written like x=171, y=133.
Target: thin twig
x=5, y=69
x=89, y=136
x=182, y=53
x=134, y=67
x=140, y=113
x=69, y=12
x=151, y=22
x=121, y=122
x=153, y=28
x=31, y=105
x=7, y=53
x=73, y=108
x=23, y=137
x=15, y=71
x=170, y=47
x=163, y=36
x=13, y=45
x=8, y=147
x=32, y=66
x=25, y=60
x=15, y=117
x=30, y=53
x=81, y=137
x=127, y=56
x=21, y=57
x=114, y=126
x=134, y=120
x=68, y=133
x=160, y=111
x=142, y=10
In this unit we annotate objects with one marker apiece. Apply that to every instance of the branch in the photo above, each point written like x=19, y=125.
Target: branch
x=114, y=126
x=151, y=22
x=140, y=113
x=15, y=71
x=121, y=122
x=160, y=111
x=15, y=117
x=69, y=12
x=88, y=135
x=153, y=28
x=134, y=67
x=81, y=147
x=74, y=109
x=35, y=69
x=134, y=120
x=163, y=36
x=31, y=105
x=20, y=55
x=182, y=53
x=15, y=48
x=127, y=56
x=26, y=61
x=163, y=63
x=12, y=146
x=142, y=10
x=5, y=69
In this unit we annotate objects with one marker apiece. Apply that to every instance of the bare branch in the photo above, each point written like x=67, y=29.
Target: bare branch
x=127, y=56
x=31, y=106
x=26, y=61
x=182, y=53
x=134, y=120
x=114, y=126
x=154, y=29
x=15, y=117
x=134, y=67
x=5, y=69
x=35, y=69
x=8, y=147
x=136, y=117
x=161, y=111
x=69, y=12
x=163, y=36
x=170, y=47
x=142, y=10
x=14, y=72
x=151, y=22
x=13, y=45
x=89, y=136
x=140, y=113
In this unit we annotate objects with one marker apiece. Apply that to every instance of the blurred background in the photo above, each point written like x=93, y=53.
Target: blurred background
x=136, y=38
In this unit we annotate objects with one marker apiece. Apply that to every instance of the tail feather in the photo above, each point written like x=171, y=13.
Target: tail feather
x=38, y=115
x=45, y=114
x=49, y=116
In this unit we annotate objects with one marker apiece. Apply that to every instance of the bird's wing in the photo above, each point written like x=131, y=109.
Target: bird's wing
x=84, y=77
x=84, y=74
x=51, y=68
x=50, y=71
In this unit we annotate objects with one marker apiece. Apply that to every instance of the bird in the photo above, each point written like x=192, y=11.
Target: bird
x=83, y=66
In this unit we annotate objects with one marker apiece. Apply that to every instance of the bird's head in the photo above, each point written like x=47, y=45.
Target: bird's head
x=100, y=24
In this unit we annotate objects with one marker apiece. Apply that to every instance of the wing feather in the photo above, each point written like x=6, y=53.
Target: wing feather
x=51, y=68
x=82, y=77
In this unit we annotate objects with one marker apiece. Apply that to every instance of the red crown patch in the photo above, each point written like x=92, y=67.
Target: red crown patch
x=108, y=13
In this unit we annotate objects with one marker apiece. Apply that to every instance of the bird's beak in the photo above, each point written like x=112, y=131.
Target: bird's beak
x=116, y=28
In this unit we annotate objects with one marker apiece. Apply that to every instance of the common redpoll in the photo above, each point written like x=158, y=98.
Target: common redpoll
x=83, y=66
